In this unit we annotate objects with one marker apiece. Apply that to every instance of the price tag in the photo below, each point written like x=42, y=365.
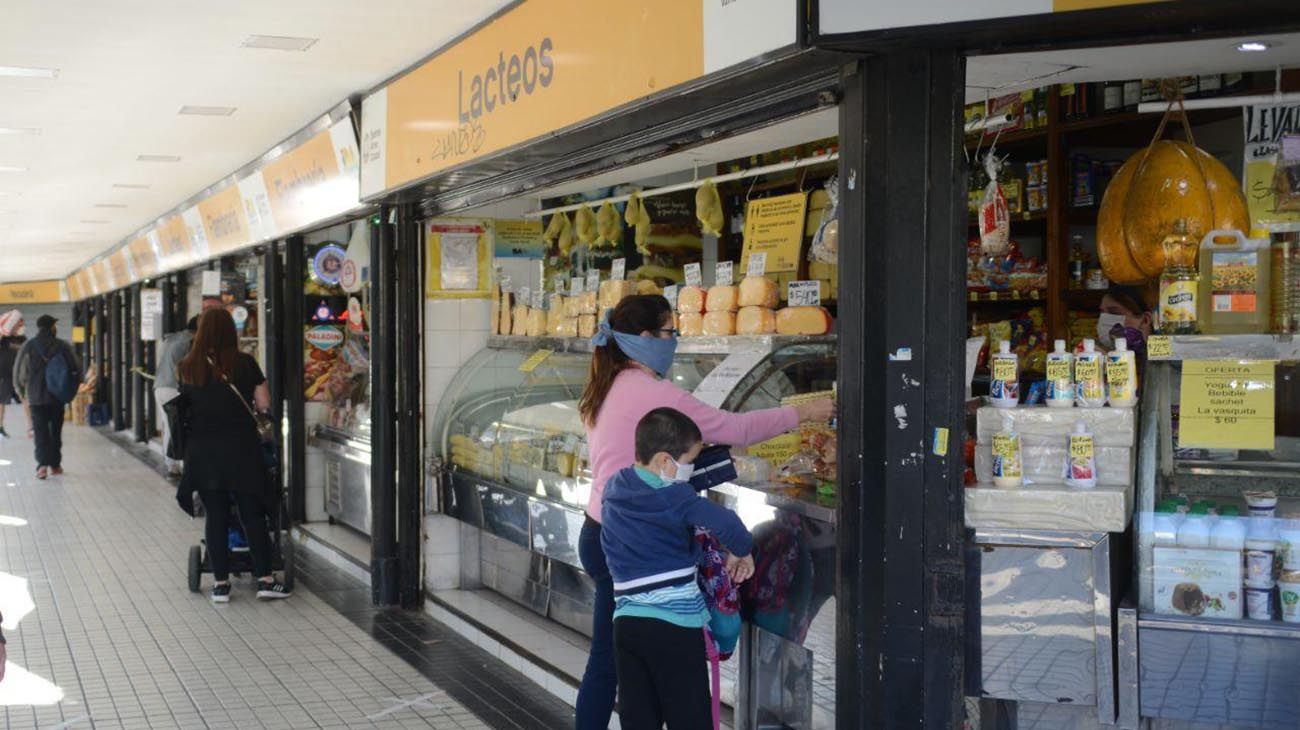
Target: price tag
x=1081, y=447
x=1004, y=368
x=1160, y=346
x=537, y=358
x=1058, y=370
x=1228, y=405
x=693, y=277
x=1004, y=445
x=558, y=282
x=593, y=280
x=757, y=265
x=525, y=296
x=1087, y=371
x=804, y=293
x=777, y=451
x=939, y=443
x=618, y=269
x=539, y=299
x=723, y=273
x=1117, y=375
x=575, y=286
x=670, y=293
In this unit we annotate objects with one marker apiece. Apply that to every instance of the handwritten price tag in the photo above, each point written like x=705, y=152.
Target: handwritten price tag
x=670, y=293
x=1160, y=346
x=1004, y=368
x=1081, y=447
x=539, y=299
x=1005, y=445
x=618, y=269
x=693, y=277
x=575, y=286
x=525, y=296
x=804, y=293
x=757, y=265
x=593, y=280
x=723, y=273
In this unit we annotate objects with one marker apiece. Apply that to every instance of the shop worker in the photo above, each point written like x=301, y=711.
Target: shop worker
x=633, y=351
x=47, y=374
x=165, y=387
x=1124, y=313
x=650, y=513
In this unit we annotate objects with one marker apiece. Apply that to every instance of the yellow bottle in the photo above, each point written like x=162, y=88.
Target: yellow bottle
x=1234, y=289
x=1178, y=283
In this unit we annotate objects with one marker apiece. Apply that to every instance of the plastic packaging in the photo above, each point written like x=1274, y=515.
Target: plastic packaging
x=1234, y=289
x=1195, y=530
x=1261, y=550
x=1288, y=590
x=1008, y=468
x=1121, y=376
x=1288, y=538
x=1089, y=383
x=1081, y=463
x=1285, y=285
x=1004, y=388
x=1060, y=377
x=1164, y=526
x=1229, y=532
x=1259, y=603
x=995, y=218
x=1261, y=504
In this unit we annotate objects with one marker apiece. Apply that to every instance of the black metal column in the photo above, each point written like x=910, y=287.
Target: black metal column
x=103, y=383
x=177, y=314
x=139, y=383
x=900, y=599
x=410, y=398
x=272, y=324
x=295, y=265
x=117, y=361
x=384, y=286
x=130, y=333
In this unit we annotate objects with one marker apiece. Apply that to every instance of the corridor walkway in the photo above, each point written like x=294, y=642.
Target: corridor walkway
x=104, y=634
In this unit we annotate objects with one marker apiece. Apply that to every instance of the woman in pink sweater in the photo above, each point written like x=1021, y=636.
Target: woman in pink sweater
x=633, y=351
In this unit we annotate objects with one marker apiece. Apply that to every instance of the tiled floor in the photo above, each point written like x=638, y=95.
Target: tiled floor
x=103, y=633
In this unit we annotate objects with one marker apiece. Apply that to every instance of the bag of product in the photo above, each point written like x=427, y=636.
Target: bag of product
x=826, y=241
x=1286, y=176
x=995, y=220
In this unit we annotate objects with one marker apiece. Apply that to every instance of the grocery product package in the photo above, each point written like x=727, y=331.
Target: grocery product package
x=826, y=241
x=994, y=219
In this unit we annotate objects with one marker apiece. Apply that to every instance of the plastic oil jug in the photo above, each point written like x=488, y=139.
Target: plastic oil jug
x=1234, y=291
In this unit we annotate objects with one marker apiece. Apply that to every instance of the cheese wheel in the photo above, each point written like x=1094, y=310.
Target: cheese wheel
x=536, y=323
x=758, y=291
x=554, y=315
x=612, y=292
x=565, y=327
x=690, y=324
x=720, y=324
x=803, y=321
x=573, y=307
x=520, y=325
x=587, y=302
x=586, y=325
x=494, y=312
x=646, y=286
x=756, y=321
x=507, y=304
x=722, y=299
x=690, y=299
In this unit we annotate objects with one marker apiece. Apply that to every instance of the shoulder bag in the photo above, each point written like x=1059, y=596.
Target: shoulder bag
x=265, y=427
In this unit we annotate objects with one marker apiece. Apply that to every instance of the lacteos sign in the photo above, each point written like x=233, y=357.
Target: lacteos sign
x=324, y=338
x=505, y=82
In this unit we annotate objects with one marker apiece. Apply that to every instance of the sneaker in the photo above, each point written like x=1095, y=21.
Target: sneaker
x=42, y=472
x=221, y=593
x=3, y=434
x=56, y=471
x=271, y=590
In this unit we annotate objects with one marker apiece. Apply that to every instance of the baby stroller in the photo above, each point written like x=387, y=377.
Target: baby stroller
x=241, y=561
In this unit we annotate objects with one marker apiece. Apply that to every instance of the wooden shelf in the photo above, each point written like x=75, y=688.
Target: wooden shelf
x=1037, y=216
x=1088, y=299
x=1017, y=138
x=1008, y=296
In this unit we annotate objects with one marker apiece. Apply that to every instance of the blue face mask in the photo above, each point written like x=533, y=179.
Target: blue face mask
x=655, y=353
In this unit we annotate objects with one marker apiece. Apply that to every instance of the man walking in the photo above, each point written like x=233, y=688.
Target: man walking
x=165, y=387
x=46, y=375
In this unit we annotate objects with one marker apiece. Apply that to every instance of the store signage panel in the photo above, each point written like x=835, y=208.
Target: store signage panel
x=738, y=30
x=120, y=266
x=1265, y=126
x=173, y=243
x=144, y=257
x=1225, y=404
x=104, y=275
x=32, y=292
x=222, y=216
x=310, y=183
x=856, y=16
x=194, y=232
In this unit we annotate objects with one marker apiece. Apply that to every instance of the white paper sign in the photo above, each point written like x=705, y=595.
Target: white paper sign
x=211, y=286
x=149, y=326
x=693, y=277
x=151, y=302
x=459, y=269
x=723, y=273
x=593, y=280
x=539, y=299
x=670, y=293
x=525, y=296
x=757, y=264
x=575, y=286
x=721, y=380
x=618, y=269
x=805, y=293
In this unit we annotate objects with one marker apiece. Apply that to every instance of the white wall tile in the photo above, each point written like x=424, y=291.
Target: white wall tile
x=442, y=535
x=316, y=504
x=445, y=352
x=474, y=315
x=441, y=572
x=471, y=343
x=442, y=315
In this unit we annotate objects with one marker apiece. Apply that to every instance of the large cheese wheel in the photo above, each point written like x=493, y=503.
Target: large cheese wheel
x=755, y=321
x=554, y=315
x=690, y=324
x=720, y=324
x=1151, y=191
x=803, y=321
x=573, y=307
x=520, y=324
x=586, y=325
x=536, y=323
x=690, y=299
x=758, y=291
x=587, y=303
x=504, y=326
x=722, y=298
x=612, y=292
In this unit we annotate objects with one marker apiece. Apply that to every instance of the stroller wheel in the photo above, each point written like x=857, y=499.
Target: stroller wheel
x=196, y=567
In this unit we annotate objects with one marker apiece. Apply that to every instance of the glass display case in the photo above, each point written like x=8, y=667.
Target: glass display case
x=1218, y=536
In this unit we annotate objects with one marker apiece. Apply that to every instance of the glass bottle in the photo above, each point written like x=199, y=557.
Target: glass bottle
x=1078, y=261
x=1285, y=283
x=1179, y=282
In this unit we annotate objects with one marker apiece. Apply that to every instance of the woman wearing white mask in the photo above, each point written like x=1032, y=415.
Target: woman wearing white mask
x=1124, y=313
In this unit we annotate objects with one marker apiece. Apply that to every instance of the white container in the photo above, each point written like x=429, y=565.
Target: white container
x=1008, y=464
x=1089, y=382
x=1195, y=530
x=1060, y=377
x=1261, y=551
x=1288, y=590
x=1229, y=532
x=1261, y=504
x=1259, y=603
x=1121, y=376
x=1288, y=539
x=1164, y=527
x=1081, y=458
x=1004, y=367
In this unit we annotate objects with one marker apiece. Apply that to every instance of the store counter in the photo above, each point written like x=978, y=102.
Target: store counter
x=347, y=476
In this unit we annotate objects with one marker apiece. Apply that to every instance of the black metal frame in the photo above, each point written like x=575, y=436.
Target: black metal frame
x=384, y=285
x=103, y=383
x=273, y=324
x=409, y=495
x=139, y=383
x=295, y=442
x=118, y=360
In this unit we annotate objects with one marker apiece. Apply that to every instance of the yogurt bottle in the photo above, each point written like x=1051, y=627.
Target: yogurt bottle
x=1259, y=603
x=1060, y=377
x=1229, y=532
x=1261, y=550
x=1195, y=530
x=1164, y=525
x=1288, y=589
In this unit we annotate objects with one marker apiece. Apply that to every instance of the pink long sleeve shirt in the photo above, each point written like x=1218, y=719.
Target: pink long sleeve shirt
x=611, y=442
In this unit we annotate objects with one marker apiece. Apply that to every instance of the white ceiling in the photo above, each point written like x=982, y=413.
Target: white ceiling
x=124, y=71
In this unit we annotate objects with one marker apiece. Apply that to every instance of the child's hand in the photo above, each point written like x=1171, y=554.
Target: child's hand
x=740, y=569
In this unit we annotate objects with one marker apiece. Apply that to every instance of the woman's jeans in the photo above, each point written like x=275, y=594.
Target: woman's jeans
x=600, y=680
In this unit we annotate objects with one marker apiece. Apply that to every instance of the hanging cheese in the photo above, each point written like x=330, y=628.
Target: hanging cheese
x=613, y=291
x=520, y=324
x=587, y=325
x=720, y=324
x=803, y=321
x=722, y=298
x=755, y=321
x=553, y=228
x=587, y=302
x=690, y=324
x=646, y=286
x=758, y=291
x=536, y=323
x=708, y=208
x=609, y=227
x=584, y=222
x=690, y=299
x=565, y=238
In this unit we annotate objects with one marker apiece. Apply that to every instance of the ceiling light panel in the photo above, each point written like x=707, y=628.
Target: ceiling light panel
x=29, y=72
x=110, y=205
x=158, y=158
x=92, y=222
x=206, y=111
x=1253, y=47
x=130, y=186
x=12, y=168
x=278, y=42
x=19, y=130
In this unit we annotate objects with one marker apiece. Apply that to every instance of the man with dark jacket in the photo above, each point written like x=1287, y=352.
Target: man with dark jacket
x=45, y=407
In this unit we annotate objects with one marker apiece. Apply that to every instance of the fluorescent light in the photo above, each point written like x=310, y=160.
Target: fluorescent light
x=92, y=222
x=207, y=111
x=158, y=158
x=130, y=186
x=19, y=130
x=278, y=42
x=1253, y=47
x=110, y=205
x=30, y=72
x=12, y=168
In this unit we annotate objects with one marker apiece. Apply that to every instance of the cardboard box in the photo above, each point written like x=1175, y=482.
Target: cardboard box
x=1197, y=582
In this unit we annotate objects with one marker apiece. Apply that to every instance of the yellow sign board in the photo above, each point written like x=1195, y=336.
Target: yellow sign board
x=223, y=220
x=31, y=292
x=775, y=226
x=777, y=450
x=534, y=360
x=517, y=239
x=1159, y=347
x=1227, y=404
x=299, y=183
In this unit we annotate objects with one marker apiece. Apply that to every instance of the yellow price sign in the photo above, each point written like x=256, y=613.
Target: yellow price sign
x=1081, y=447
x=1004, y=368
x=1058, y=370
x=537, y=358
x=1160, y=346
x=778, y=450
x=1005, y=445
x=1117, y=373
x=1227, y=405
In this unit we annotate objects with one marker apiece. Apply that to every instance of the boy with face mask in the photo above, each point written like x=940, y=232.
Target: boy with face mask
x=649, y=514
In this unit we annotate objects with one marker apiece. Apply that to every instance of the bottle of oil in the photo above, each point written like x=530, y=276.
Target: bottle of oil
x=1234, y=291
x=1286, y=282
x=1179, y=283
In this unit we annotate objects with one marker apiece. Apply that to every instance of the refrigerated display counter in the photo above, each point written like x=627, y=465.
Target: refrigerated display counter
x=511, y=460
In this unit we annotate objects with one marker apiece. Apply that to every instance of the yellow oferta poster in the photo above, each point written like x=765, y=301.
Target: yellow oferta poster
x=1227, y=404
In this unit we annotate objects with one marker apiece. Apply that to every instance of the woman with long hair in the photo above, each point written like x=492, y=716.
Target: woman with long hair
x=632, y=355
x=223, y=453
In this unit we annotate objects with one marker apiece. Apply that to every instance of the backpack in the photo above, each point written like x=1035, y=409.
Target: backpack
x=61, y=378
